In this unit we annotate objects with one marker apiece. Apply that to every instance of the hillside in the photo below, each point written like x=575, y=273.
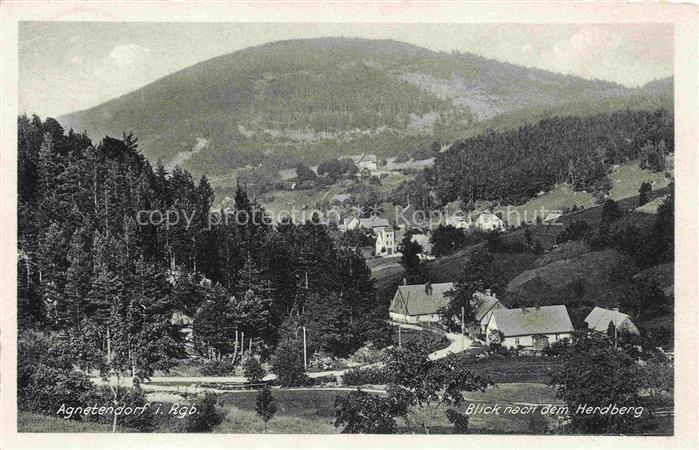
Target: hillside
x=305, y=100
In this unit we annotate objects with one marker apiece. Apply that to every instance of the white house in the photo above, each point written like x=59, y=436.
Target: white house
x=418, y=303
x=369, y=222
x=385, y=241
x=489, y=222
x=535, y=328
x=599, y=319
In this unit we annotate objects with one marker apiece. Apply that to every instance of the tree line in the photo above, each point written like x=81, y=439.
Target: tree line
x=91, y=272
x=513, y=166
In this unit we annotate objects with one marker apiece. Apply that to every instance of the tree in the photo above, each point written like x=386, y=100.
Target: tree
x=265, y=405
x=458, y=419
x=610, y=211
x=303, y=173
x=652, y=156
x=287, y=361
x=446, y=239
x=361, y=412
x=480, y=272
x=252, y=369
x=593, y=373
x=645, y=193
x=326, y=319
x=410, y=259
x=208, y=415
x=428, y=385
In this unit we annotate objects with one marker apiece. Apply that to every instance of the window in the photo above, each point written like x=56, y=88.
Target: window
x=516, y=341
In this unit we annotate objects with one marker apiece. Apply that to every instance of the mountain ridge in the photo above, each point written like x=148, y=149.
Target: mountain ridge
x=301, y=100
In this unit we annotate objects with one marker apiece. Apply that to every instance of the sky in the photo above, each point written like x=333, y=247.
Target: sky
x=70, y=66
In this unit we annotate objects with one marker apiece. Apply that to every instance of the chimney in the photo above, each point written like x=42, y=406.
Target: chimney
x=494, y=295
x=487, y=292
x=405, y=281
x=538, y=307
x=524, y=309
x=428, y=288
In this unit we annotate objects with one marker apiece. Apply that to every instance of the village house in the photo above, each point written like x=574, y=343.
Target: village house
x=489, y=222
x=533, y=328
x=367, y=223
x=364, y=161
x=419, y=303
x=600, y=318
x=460, y=222
x=385, y=241
x=484, y=303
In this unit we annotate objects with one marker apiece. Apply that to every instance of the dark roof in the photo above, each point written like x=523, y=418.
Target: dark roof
x=531, y=321
x=484, y=303
x=413, y=300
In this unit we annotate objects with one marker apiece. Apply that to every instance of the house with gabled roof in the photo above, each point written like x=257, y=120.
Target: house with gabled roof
x=489, y=222
x=385, y=244
x=600, y=318
x=418, y=303
x=484, y=304
x=534, y=328
x=364, y=161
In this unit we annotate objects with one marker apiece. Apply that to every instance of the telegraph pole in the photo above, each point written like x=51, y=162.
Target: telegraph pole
x=399, y=340
x=463, y=325
x=305, y=364
x=615, y=335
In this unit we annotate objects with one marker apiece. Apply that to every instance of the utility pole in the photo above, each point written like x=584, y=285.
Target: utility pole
x=304, y=349
x=463, y=325
x=615, y=335
x=399, y=340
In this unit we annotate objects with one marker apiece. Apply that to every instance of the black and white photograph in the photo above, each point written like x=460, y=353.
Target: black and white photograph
x=301, y=227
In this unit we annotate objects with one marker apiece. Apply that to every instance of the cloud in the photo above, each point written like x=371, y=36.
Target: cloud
x=126, y=56
x=586, y=43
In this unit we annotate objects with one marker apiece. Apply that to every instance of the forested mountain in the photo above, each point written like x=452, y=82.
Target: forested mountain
x=99, y=265
x=513, y=166
x=306, y=100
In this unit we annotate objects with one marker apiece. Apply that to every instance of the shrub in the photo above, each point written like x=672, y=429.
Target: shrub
x=324, y=380
x=252, y=369
x=368, y=375
x=144, y=420
x=208, y=415
x=322, y=361
x=458, y=419
x=46, y=379
x=360, y=412
x=214, y=367
x=368, y=354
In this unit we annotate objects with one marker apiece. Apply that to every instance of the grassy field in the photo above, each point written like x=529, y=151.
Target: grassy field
x=314, y=412
x=37, y=423
x=627, y=179
x=297, y=412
